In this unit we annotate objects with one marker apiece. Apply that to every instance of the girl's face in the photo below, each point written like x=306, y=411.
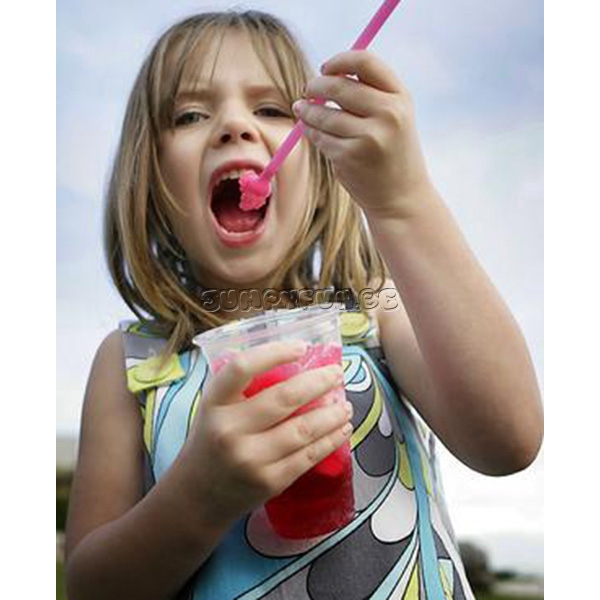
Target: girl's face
x=233, y=120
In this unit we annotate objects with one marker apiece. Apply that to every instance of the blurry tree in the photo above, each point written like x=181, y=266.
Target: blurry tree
x=63, y=488
x=476, y=566
x=505, y=575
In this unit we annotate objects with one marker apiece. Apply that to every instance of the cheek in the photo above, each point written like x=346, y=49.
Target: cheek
x=169, y=169
x=179, y=165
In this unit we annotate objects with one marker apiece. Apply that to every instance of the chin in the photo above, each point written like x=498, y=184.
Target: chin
x=249, y=273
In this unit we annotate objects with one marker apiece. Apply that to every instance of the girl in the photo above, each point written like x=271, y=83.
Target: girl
x=167, y=500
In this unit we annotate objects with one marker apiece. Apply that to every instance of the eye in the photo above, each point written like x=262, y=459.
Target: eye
x=189, y=117
x=273, y=112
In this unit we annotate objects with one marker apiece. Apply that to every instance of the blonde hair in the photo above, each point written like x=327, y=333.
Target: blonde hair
x=145, y=260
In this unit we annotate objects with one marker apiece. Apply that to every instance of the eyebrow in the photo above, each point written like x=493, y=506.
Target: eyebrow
x=253, y=91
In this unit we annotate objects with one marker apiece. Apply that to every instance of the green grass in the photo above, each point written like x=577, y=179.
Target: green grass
x=61, y=594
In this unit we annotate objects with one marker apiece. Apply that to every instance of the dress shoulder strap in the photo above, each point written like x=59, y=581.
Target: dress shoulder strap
x=145, y=366
x=359, y=327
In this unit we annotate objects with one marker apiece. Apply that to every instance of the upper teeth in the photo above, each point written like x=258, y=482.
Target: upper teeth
x=233, y=174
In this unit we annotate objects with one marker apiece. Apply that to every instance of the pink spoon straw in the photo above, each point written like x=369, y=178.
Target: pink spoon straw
x=256, y=189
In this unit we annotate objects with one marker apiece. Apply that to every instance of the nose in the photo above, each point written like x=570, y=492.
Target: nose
x=234, y=127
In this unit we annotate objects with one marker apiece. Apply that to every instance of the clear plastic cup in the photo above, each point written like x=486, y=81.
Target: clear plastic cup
x=321, y=500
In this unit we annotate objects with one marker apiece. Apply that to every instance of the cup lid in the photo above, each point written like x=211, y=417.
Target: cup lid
x=284, y=319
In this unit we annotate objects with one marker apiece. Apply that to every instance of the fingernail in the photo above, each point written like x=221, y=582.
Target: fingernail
x=347, y=429
x=298, y=106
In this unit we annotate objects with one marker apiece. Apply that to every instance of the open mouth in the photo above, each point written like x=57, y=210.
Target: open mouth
x=225, y=205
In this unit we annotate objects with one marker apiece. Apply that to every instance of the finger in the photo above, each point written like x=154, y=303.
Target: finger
x=280, y=401
x=233, y=378
x=353, y=96
x=368, y=67
x=303, y=430
x=330, y=145
x=293, y=466
x=330, y=120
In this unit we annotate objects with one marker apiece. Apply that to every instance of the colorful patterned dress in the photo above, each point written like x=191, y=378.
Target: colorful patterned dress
x=400, y=544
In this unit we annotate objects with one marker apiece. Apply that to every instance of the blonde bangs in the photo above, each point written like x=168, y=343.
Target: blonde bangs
x=146, y=262
x=183, y=53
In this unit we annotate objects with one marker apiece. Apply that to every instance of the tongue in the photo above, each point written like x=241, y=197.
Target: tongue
x=233, y=219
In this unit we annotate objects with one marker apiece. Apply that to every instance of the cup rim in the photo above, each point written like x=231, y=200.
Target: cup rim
x=236, y=328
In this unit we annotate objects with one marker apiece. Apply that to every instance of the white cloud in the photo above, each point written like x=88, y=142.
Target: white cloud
x=482, y=505
x=419, y=65
x=493, y=184
x=85, y=142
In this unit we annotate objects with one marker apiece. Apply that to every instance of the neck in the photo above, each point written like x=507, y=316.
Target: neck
x=241, y=301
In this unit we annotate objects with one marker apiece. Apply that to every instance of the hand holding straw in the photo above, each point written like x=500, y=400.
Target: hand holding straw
x=257, y=188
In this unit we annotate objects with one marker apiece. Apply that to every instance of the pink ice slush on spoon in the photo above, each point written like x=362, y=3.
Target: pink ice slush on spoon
x=255, y=191
x=257, y=188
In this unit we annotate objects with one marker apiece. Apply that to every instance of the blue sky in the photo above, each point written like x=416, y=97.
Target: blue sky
x=475, y=71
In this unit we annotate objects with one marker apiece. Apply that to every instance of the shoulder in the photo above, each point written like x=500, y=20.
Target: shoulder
x=109, y=357
x=110, y=350
x=110, y=410
x=125, y=349
x=107, y=380
x=386, y=308
x=391, y=319
x=402, y=350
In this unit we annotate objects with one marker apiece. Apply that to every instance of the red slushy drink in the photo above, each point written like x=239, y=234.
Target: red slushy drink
x=321, y=500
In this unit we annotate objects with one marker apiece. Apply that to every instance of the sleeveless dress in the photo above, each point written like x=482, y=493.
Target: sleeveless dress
x=400, y=544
